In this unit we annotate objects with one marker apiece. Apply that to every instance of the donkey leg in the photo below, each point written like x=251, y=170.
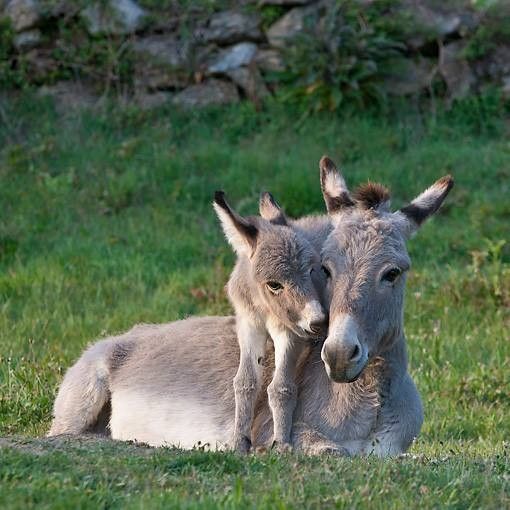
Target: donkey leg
x=84, y=392
x=282, y=391
x=400, y=420
x=248, y=381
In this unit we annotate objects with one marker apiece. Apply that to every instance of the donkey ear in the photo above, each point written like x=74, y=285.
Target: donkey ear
x=270, y=210
x=334, y=190
x=427, y=203
x=240, y=233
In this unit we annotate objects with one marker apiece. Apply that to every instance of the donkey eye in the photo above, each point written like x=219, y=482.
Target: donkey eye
x=392, y=274
x=325, y=270
x=274, y=287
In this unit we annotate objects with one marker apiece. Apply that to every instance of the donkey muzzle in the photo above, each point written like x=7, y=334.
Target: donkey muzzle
x=343, y=354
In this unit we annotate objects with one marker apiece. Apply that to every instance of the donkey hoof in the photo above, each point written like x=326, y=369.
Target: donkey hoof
x=280, y=447
x=333, y=451
x=242, y=444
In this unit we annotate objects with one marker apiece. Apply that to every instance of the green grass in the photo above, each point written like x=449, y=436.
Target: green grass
x=106, y=221
x=102, y=475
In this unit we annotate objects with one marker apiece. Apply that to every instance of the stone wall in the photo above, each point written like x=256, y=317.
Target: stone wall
x=153, y=52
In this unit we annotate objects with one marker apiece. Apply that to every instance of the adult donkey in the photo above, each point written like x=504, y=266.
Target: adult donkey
x=188, y=366
x=374, y=406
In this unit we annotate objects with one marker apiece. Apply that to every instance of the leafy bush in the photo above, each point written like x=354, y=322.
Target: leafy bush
x=270, y=14
x=493, y=31
x=107, y=60
x=12, y=69
x=342, y=60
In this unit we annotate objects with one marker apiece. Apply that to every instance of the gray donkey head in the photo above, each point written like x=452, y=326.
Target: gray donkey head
x=277, y=275
x=366, y=261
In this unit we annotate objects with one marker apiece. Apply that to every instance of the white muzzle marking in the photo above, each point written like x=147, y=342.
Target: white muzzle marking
x=312, y=312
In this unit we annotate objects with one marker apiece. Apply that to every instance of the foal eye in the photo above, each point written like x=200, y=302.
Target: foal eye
x=274, y=287
x=326, y=272
x=392, y=274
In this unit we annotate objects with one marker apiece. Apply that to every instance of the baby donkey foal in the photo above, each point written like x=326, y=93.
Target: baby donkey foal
x=273, y=289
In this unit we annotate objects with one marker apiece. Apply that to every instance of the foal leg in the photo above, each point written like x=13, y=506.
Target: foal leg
x=248, y=381
x=282, y=391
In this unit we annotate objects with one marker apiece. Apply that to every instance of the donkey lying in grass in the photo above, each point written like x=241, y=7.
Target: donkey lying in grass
x=171, y=384
x=376, y=407
x=273, y=293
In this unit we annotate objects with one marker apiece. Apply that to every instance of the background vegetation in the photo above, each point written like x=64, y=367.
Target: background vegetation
x=335, y=53
x=106, y=221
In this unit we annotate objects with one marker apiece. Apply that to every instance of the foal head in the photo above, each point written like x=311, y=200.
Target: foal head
x=277, y=268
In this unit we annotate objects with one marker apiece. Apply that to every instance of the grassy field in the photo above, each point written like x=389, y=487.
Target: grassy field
x=106, y=221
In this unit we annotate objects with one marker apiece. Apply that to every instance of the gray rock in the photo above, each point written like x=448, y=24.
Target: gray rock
x=153, y=100
x=455, y=70
x=153, y=76
x=229, y=27
x=69, y=96
x=505, y=87
x=498, y=62
x=438, y=19
x=57, y=8
x=41, y=64
x=163, y=48
x=269, y=60
x=409, y=77
x=285, y=2
x=27, y=40
x=116, y=17
x=23, y=14
x=233, y=57
x=290, y=25
x=250, y=81
x=162, y=62
x=439, y=23
x=210, y=92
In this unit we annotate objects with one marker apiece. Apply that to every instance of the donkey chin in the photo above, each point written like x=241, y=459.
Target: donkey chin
x=344, y=356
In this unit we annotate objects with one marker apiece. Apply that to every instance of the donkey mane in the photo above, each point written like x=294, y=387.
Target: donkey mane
x=371, y=195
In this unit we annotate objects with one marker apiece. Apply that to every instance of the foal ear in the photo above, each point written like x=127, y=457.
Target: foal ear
x=240, y=233
x=270, y=210
x=334, y=190
x=427, y=203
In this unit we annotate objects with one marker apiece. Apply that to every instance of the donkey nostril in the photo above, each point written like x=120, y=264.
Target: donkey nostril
x=355, y=353
x=317, y=326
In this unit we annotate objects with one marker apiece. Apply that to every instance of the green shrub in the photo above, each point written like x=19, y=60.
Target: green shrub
x=493, y=31
x=269, y=14
x=12, y=68
x=343, y=60
x=106, y=60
